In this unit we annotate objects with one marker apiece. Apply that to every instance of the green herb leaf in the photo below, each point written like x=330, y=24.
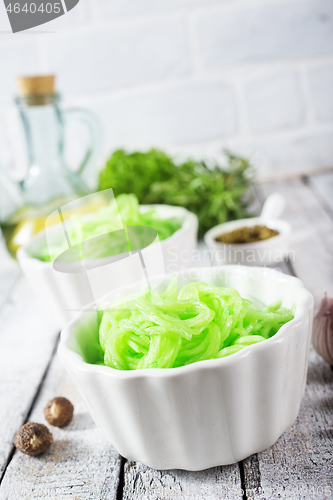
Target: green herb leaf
x=215, y=194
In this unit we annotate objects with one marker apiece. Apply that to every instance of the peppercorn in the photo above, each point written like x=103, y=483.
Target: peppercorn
x=59, y=411
x=33, y=439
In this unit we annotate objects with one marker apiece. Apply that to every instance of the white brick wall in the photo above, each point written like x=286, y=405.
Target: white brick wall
x=128, y=54
x=16, y=57
x=321, y=88
x=185, y=114
x=274, y=102
x=267, y=30
x=120, y=7
x=191, y=76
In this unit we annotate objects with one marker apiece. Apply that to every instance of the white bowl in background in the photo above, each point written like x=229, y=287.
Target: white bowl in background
x=209, y=413
x=258, y=253
x=63, y=294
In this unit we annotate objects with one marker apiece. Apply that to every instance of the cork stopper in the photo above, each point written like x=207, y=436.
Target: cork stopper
x=35, y=85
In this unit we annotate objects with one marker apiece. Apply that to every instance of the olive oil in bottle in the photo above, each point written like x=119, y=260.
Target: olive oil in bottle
x=49, y=183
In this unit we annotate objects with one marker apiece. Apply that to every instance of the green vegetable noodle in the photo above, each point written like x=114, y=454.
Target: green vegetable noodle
x=180, y=327
x=106, y=220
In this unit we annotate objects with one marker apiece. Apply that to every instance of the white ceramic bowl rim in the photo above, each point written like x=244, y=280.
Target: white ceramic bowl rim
x=24, y=251
x=304, y=299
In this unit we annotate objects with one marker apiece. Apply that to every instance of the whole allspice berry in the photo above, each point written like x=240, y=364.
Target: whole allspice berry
x=59, y=411
x=33, y=439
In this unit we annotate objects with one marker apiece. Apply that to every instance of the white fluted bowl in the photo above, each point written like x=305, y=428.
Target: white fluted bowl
x=63, y=294
x=209, y=413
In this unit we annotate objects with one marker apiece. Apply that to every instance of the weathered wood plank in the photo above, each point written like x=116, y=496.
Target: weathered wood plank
x=66, y=472
x=9, y=272
x=27, y=341
x=322, y=185
x=300, y=464
x=311, y=253
x=141, y=482
x=80, y=464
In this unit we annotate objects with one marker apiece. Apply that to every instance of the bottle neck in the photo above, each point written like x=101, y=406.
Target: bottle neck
x=47, y=178
x=37, y=100
x=43, y=129
x=42, y=124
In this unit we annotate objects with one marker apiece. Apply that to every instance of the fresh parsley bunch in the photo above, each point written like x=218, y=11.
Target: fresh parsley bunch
x=213, y=193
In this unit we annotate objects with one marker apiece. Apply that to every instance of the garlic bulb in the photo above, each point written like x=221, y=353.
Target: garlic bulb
x=322, y=336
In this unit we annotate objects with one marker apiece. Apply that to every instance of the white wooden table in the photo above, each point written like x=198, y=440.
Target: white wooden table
x=81, y=465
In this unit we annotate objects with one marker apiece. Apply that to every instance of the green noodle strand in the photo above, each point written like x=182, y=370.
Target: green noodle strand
x=180, y=327
x=106, y=220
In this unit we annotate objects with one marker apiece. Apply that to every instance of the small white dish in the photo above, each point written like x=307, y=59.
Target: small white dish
x=259, y=253
x=63, y=294
x=209, y=413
